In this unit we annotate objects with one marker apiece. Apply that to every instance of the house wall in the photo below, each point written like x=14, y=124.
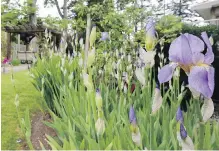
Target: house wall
x=215, y=12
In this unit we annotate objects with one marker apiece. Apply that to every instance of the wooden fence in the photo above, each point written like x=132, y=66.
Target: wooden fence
x=19, y=52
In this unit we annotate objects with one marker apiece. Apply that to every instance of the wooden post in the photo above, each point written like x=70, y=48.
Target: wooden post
x=54, y=43
x=27, y=49
x=19, y=42
x=8, y=45
x=18, y=46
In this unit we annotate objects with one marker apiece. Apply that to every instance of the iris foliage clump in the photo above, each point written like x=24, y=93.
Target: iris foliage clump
x=119, y=105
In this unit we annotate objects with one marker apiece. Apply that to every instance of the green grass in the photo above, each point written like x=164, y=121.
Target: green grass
x=29, y=97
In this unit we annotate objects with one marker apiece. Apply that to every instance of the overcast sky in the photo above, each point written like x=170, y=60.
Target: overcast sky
x=44, y=12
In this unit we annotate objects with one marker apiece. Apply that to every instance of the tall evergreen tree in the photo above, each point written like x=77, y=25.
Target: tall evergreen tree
x=182, y=8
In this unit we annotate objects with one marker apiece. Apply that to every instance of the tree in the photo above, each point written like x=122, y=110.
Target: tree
x=32, y=14
x=182, y=8
x=63, y=14
x=14, y=12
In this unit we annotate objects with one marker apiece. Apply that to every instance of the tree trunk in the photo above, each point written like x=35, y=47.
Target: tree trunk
x=180, y=8
x=65, y=9
x=33, y=18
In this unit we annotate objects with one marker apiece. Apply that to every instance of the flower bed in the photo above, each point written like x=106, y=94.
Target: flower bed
x=120, y=105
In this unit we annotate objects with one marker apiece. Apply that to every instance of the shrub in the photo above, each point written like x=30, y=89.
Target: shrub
x=212, y=30
x=169, y=27
x=15, y=62
x=3, y=44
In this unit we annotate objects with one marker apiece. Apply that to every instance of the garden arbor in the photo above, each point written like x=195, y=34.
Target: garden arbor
x=27, y=32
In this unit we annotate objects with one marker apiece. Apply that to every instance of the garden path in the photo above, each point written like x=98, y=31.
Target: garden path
x=21, y=67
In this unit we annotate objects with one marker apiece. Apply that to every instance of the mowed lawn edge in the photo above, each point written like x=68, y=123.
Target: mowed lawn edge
x=29, y=97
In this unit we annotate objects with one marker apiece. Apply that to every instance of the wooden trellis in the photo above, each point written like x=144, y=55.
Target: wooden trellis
x=27, y=32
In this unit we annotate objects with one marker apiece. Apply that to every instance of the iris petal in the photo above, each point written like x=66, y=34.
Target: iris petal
x=132, y=117
x=104, y=36
x=150, y=28
x=179, y=115
x=198, y=58
x=209, y=56
x=202, y=80
x=207, y=109
x=140, y=74
x=183, y=132
x=210, y=71
x=180, y=50
x=196, y=44
x=166, y=72
x=157, y=101
x=147, y=57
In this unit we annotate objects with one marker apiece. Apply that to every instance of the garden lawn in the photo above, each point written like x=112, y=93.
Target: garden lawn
x=29, y=97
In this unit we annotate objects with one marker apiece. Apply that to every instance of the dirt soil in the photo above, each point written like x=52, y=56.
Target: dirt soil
x=39, y=130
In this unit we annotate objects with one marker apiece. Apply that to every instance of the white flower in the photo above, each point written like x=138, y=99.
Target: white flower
x=157, y=100
x=195, y=93
x=186, y=143
x=91, y=57
x=136, y=137
x=87, y=81
x=207, y=109
x=100, y=126
x=140, y=74
x=125, y=88
x=147, y=57
x=129, y=58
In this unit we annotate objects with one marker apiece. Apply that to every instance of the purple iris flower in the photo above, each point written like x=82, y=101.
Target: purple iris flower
x=186, y=52
x=183, y=132
x=179, y=115
x=150, y=28
x=132, y=117
x=150, y=40
x=104, y=36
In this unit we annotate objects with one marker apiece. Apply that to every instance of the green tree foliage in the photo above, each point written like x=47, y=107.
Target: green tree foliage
x=212, y=30
x=169, y=27
x=3, y=44
x=14, y=12
x=119, y=18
